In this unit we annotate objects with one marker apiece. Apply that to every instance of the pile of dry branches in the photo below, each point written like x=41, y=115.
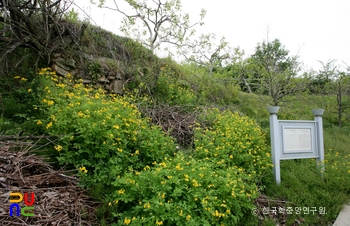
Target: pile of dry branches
x=58, y=200
x=177, y=121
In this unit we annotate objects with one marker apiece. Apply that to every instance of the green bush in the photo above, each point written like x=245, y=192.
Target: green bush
x=104, y=136
x=169, y=88
x=214, y=186
x=234, y=140
x=183, y=191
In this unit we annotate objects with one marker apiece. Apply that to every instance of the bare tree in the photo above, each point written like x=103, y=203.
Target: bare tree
x=36, y=24
x=205, y=51
x=155, y=22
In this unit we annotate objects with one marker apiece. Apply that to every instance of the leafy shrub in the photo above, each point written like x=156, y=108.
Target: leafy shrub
x=170, y=90
x=104, y=136
x=182, y=191
x=215, y=186
x=231, y=141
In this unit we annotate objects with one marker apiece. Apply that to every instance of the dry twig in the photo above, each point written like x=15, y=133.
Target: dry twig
x=58, y=200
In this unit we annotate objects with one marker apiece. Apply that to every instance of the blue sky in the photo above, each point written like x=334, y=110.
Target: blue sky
x=313, y=29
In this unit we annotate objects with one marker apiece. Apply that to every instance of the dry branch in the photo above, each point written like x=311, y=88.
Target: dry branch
x=175, y=120
x=58, y=199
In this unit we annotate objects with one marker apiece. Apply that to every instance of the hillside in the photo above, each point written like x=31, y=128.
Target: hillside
x=156, y=142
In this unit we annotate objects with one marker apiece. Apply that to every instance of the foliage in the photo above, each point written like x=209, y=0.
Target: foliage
x=95, y=70
x=320, y=80
x=271, y=66
x=183, y=191
x=234, y=141
x=204, y=51
x=19, y=89
x=156, y=22
x=72, y=15
x=303, y=186
x=104, y=136
x=333, y=81
x=206, y=188
x=211, y=90
x=172, y=90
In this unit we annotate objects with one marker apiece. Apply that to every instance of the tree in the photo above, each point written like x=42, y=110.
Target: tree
x=334, y=81
x=156, y=21
x=343, y=94
x=32, y=24
x=275, y=70
x=321, y=82
x=209, y=54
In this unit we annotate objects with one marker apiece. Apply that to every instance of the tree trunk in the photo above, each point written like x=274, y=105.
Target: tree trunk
x=247, y=84
x=339, y=99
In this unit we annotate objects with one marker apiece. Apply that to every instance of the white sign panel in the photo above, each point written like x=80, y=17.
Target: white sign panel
x=297, y=140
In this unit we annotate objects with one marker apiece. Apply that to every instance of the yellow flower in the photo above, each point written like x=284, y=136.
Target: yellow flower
x=83, y=169
x=120, y=150
x=50, y=102
x=58, y=147
x=180, y=213
x=188, y=217
x=127, y=221
x=162, y=164
x=61, y=85
x=24, y=79
x=29, y=90
x=147, y=205
x=49, y=125
x=17, y=77
x=178, y=167
x=121, y=191
x=39, y=122
x=159, y=222
x=195, y=183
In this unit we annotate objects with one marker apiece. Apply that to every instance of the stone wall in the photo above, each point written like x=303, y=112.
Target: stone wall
x=109, y=76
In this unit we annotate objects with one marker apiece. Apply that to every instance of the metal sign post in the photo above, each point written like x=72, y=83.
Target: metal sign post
x=296, y=139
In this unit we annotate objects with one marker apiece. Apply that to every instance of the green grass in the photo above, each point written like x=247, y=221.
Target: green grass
x=302, y=184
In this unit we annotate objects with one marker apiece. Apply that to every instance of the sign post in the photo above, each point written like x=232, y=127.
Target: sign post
x=318, y=119
x=296, y=139
x=275, y=149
